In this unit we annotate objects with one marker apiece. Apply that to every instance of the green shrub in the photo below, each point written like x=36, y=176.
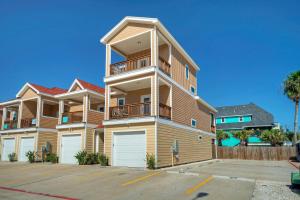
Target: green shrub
x=31, y=156
x=12, y=157
x=150, y=161
x=103, y=159
x=81, y=157
x=51, y=157
x=92, y=158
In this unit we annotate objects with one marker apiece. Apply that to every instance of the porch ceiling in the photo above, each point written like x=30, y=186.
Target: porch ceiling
x=133, y=85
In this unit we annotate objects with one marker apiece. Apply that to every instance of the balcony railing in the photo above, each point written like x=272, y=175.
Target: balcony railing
x=72, y=117
x=164, y=111
x=130, y=110
x=137, y=63
x=10, y=124
x=28, y=122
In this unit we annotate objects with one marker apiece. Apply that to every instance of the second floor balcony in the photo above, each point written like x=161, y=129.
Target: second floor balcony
x=72, y=117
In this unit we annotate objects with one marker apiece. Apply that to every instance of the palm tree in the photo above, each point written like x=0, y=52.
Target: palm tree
x=292, y=91
x=243, y=135
x=221, y=135
x=275, y=137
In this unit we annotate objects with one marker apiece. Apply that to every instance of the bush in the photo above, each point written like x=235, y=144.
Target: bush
x=150, y=161
x=103, y=159
x=31, y=156
x=51, y=157
x=92, y=158
x=12, y=157
x=81, y=157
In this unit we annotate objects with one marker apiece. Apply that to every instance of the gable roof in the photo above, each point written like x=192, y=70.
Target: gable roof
x=260, y=117
x=85, y=85
x=41, y=90
x=155, y=22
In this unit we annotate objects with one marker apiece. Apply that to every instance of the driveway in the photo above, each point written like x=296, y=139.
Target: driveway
x=225, y=179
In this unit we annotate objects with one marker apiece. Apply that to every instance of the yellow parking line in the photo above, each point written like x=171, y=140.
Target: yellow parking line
x=196, y=187
x=140, y=178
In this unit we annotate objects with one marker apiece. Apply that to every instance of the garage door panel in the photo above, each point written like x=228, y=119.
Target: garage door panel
x=129, y=149
x=27, y=144
x=70, y=146
x=8, y=147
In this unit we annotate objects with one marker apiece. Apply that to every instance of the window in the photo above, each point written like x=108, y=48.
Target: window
x=187, y=71
x=212, y=119
x=121, y=101
x=143, y=62
x=241, y=119
x=193, y=90
x=100, y=108
x=95, y=105
x=50, y=109
x=222, y=120
x=193, y=123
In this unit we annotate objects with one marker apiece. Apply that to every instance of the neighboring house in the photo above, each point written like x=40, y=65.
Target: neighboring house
x=80, y=127
x=239, y=117
x=29, y=121
x=152, y=104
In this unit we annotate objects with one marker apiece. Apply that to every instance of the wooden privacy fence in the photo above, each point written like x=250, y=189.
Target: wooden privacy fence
x=256, y=153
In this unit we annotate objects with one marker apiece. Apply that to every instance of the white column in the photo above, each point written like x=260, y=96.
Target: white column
x=61, y=108
x=154, y=47
x=85, y=107
x=107, y=102
x=3, y=117
x=20, y=114
x=108, y=59
x=38, y=111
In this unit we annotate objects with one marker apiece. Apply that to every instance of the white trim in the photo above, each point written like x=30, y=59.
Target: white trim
x=14, y=101
x=234, y=115
x=129, y=74
x=193, y=120
x=73, y=84
x=129, y=81
x=155, y=142
x=27, y=85
x=68, y=134
x=177, y=125
x=28, y=99
x=76, y=125
x=69, y=94
x=34, y=129
x=155, y=22
x=128, y=121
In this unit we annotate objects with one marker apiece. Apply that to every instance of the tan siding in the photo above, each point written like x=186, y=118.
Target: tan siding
x=178, y=71
x=150, y=137
x=29, y=93
x=76, y=108
x=45, y=137
x=101, y=143
x=89, y=140
x=190, y=148
x=95, y=117
x=29, y=109
x=164, y=95
x=185, y=107
x=48, y=122
x=130, y=30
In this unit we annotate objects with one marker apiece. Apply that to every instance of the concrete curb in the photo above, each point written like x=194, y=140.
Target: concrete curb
x=191, y=164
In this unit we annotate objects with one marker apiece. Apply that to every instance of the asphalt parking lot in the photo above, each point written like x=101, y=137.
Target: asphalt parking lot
x=223, y=179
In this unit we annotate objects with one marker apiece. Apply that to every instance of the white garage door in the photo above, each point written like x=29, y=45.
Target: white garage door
x=8, y=147
x=70, y=146
x=27, y=144
x=129, y=149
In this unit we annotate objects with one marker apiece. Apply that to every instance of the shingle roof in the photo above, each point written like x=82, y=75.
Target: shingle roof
x=51, y=91
x=260, y=117
x=91, y=86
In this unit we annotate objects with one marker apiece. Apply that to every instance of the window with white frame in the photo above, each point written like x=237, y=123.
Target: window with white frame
x=193, y=90
x=121, y=101
x=222, y=120
x=193, y=123
x=187, y=72
x=240, y=119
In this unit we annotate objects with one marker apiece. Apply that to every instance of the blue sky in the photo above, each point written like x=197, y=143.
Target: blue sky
x=245, y=48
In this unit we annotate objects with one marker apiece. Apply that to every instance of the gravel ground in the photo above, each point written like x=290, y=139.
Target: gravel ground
x=265, y=190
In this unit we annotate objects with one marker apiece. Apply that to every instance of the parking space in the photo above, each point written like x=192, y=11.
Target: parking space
x=205, y=181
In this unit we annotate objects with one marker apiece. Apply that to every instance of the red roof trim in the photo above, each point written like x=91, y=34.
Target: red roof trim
x=91, y=86
x=51, y=91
